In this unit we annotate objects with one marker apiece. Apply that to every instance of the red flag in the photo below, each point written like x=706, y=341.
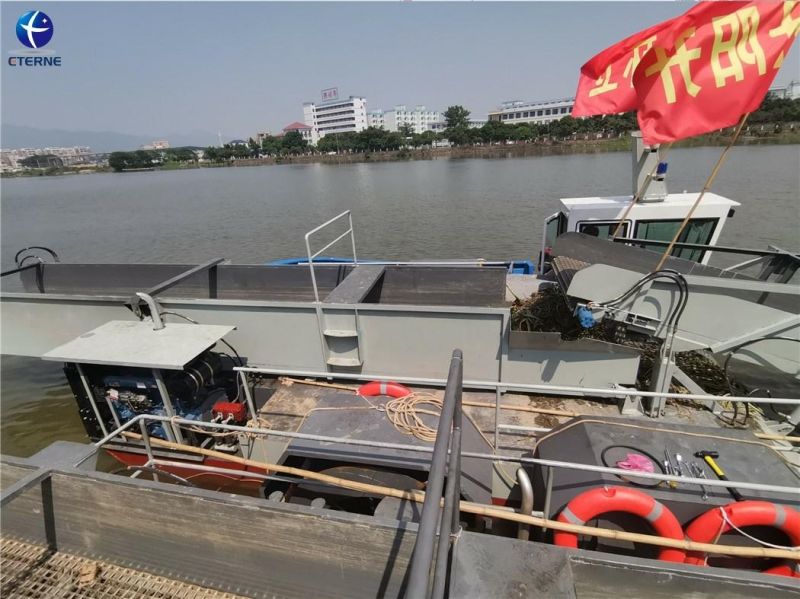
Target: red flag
x=711, y=66
x=606, y=81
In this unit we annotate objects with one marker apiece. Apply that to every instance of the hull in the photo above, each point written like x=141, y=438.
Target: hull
x=237, y=479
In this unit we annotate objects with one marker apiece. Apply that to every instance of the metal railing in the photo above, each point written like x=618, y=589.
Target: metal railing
x=311, y=256
x=448, y=441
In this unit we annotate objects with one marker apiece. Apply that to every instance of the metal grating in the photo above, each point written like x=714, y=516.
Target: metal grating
x=35, y=572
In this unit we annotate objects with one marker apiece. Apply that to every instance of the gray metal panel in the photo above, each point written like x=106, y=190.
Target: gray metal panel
x=238, y=544
x=490, y=567
x=548, y=358
x=373, y=425
x=137, y=344
x=233, y=281
x=585, y=442
x=418, y=343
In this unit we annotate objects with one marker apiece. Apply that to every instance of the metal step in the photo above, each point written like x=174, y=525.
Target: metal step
x=346, y=362
x=340, y=333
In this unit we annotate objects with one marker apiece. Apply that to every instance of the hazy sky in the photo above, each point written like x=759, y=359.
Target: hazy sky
x=159, y=68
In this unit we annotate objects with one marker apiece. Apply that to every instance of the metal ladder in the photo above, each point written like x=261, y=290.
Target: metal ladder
x=338, y=327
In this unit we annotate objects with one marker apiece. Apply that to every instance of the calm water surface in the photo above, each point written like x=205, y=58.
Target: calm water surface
x=402, y=210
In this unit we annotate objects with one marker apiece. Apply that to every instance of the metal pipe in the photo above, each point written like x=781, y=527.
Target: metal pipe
x=147, y=446
x=526, y=505
x=90, y=396
x=172, y=431
x=334, y=242
x=548, y=493
x=452, y=497
x=555, y=389
x=497, y=396
x=464, y=454
x=526, y=429
x=155, y=314
x=249, y=397
x=419, y=569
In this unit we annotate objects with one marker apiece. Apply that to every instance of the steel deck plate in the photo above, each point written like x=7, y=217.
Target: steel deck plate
x=136, y=344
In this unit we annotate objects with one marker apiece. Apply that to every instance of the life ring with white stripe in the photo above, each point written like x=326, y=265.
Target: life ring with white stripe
x=384, y=388
x=708, y=527
x=595, y=502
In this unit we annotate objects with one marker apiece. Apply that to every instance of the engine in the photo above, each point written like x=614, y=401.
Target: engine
x=196, y=392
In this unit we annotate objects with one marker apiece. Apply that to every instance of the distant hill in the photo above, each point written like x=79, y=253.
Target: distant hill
x=21, y=136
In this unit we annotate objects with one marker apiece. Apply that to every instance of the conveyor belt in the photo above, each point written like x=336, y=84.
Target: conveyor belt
x=34, y=572
x=565, y=268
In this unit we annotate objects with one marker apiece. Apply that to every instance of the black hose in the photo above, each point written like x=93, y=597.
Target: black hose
x=730, y=385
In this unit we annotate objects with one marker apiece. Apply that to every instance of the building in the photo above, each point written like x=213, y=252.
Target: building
x=335, y=116
x=790, y=91
x=516, y=112
x=304, y=130
x=472, y=124
x=10, y=160
x=158, y=144
x=419, y=119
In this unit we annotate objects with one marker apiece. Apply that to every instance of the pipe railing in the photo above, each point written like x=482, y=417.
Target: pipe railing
x=615, y=392
x=116, y=434
x=448, y=440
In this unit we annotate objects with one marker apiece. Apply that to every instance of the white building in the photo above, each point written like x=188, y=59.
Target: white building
x=304, y=130
x=790, y=91
x=515, y=112
x=472, y=124
x=10, y=159
x=419, y=118
x=158, y=144
x=335, y=116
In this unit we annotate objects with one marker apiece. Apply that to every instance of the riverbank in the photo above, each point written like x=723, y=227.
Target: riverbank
x=488, y=151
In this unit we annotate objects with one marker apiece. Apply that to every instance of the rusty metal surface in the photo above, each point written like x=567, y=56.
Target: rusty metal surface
x=35, y=572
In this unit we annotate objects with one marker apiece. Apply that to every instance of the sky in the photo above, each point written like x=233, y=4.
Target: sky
x=157, y=68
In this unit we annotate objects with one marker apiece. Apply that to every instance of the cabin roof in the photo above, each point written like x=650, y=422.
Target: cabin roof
x=673, y=199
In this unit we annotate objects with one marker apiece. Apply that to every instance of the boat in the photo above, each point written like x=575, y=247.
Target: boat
x=373, y=407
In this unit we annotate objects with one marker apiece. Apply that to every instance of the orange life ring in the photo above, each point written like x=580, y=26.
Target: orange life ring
x=707, y=528
x=602, y=500
x=384, y=388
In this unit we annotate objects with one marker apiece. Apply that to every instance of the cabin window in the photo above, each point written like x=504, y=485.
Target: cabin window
x=602, y=229
x=698, y=230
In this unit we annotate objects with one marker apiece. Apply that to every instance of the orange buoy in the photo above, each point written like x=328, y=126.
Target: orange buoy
x=384, y=388
x=708, y=527
x=602, y=500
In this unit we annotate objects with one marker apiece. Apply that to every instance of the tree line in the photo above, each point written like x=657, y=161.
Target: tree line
x=457, y=131
x=146, y=159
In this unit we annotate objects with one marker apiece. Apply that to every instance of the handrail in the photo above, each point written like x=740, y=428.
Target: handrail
x=525, y=387
x=342, y=236
x=449, y=418
x=113, y=435
x=172, y=281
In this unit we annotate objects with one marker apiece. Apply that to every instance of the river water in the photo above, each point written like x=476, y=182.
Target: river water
x=488, y=208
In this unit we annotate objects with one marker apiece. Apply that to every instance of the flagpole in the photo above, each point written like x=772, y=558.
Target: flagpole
x=640, y=192
x=706, y=187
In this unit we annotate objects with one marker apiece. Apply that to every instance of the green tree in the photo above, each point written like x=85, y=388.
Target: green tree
x=406, y=130
x=456, y=116
x=270, y=145
x=293, y=142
